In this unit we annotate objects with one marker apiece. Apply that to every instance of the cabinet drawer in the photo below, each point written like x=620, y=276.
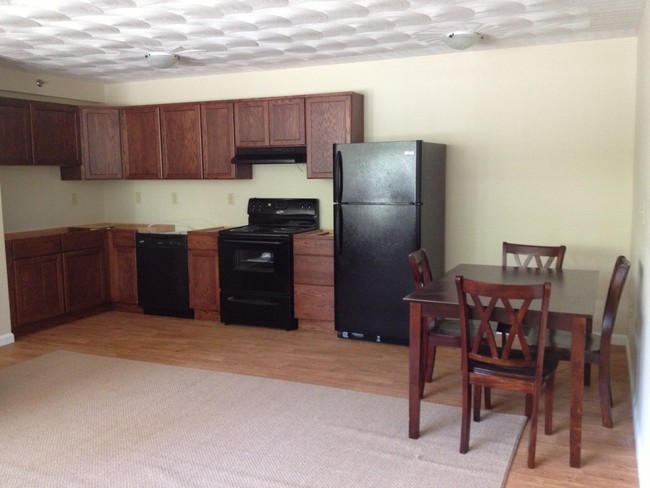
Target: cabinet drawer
x=123, y=238
x=37, y=246
x=314, y=302
x=317, y=245
x=75, y=241
x=202, y=241
x=314, y=270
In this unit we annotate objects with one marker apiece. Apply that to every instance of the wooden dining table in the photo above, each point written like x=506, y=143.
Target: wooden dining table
x=572, y=304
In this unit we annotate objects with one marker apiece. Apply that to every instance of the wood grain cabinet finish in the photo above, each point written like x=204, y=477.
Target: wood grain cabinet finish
x=218, y=143
x=55, y=134
x=39, y=133
x=314, y=277
x=203, y=267
x=181, y=141
x=36, y=290
x=331, y=119
x=56, y=274
x=270, y=122
x=101, y=146
x=287, y=122
x=85, y=269
x=141, y=142
x=123, y=269
x=15, y=132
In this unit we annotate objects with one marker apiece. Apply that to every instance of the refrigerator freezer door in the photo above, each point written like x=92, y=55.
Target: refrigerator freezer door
x=377, y=172
x=372, y=276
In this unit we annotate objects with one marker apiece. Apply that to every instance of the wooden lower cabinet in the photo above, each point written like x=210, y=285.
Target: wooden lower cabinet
x=85, y=271
x=123, y=269
x=55, y=275
x=313, y=277
x=39, y=293
x=203, y=267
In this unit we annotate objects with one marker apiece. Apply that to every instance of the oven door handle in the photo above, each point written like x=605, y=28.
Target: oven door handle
x=267, y=242
x=253, y=301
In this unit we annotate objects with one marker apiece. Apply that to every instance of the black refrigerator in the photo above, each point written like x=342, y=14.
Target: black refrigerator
x=389, y=200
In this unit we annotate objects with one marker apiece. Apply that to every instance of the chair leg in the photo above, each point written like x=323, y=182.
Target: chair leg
x=477, y=403
x=465, y=421
x=605, y=393
x=431, y=360
x=529, y=405
x=587, y=381
x=548, y=405
x=488, y=398
x=532, y=440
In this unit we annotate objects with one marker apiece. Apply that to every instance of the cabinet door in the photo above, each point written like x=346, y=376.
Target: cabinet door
x=331, y=119
x=252, y=123
x=55, y=134
x=15, y=132
x=123, y=269
x=85, y=280
x=181, y=141
x=38, y=288
x=204, y=279
x=218, y=140
x=101, y=147
x=141, y=144
x=287, y=122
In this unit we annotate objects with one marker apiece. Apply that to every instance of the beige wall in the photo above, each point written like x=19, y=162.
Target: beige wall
x=639, y=340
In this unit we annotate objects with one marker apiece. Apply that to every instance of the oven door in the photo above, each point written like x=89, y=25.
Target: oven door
x=256, y=265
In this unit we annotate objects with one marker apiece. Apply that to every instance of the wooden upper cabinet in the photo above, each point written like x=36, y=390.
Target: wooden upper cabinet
x=252, y=123
x=101, y=147
x=331, y=119
x=141, y=142
x=55, y=134
x=181, y=141
x=15, y=132
x=287, y=122
x=275, y=122
x=218, y=141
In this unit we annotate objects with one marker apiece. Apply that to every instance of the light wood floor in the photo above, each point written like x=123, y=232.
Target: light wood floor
x=319, y=357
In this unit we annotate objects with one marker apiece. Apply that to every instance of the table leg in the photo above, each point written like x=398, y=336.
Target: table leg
x=578, y=332
x=416, y=359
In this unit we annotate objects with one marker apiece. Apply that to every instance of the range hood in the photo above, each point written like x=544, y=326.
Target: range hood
x=270, y=155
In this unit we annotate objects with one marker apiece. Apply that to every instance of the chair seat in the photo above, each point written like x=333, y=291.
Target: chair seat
x=551, y=362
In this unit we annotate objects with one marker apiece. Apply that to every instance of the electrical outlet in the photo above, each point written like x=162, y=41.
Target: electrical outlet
x=174, y=198
x=75, y=199
x=231, y=198
x=138, y=197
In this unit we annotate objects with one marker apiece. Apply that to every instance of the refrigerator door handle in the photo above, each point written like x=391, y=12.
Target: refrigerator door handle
x=338, y=175
x=338, y=228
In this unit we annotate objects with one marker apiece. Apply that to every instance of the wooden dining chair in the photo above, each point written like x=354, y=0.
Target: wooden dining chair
x=441, y=332
x=522, y=365
x=598, y=348
x=530, y=256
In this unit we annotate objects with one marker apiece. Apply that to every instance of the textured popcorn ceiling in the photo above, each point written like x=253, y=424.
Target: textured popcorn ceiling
x=106, y=40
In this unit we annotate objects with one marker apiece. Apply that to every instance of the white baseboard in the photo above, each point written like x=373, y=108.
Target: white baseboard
x=6, y=339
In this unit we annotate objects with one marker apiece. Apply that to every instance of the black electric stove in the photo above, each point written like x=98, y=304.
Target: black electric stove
x=256, y=262
x=278, y=216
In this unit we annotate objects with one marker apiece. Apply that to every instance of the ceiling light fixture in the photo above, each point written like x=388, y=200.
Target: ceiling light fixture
x=161, y=59
x=462, y=39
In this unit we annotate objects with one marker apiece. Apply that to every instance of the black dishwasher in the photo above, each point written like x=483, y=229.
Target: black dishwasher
x=163, y=284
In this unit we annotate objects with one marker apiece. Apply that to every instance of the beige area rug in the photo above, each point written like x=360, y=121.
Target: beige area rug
x=75, y=420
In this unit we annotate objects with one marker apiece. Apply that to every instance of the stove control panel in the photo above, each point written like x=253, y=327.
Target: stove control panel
x=283, y=206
